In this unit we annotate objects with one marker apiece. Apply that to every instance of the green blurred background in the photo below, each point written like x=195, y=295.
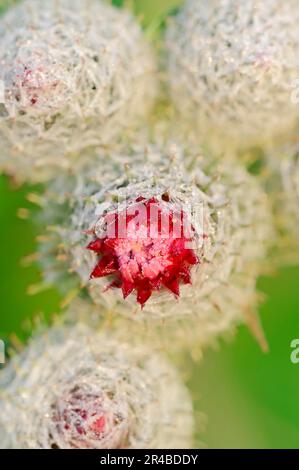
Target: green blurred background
x=250, y=399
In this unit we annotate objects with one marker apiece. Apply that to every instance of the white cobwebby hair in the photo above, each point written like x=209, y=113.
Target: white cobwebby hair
x=73, y=387
x=76, y=73
x=235, y=231
x=290, y=177
x=232, y=67
x=283, y=183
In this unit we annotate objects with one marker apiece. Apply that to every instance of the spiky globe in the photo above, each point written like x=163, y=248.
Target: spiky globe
x=232, y=68
x=75, y=388
x=283, y=185
x=199, y=266
x=75, y=74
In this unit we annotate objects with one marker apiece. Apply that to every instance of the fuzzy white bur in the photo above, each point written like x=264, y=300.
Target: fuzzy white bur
x=232, y=236
x=75, y=74
x=233, y=66
x=73, y=387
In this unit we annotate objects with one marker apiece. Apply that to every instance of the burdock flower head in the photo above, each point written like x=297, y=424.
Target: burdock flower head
x=233, y=67
x=180, y=235
x=74, y=388
x=75, y=74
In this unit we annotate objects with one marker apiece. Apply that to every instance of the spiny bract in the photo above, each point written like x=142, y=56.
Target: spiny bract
x=75, y=73
x=233, y=68
x=75, y=388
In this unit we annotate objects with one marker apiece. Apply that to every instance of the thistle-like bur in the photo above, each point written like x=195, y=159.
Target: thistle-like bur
x=75, y=74
x=233, y=69
x=204, y=278
x=73, y=387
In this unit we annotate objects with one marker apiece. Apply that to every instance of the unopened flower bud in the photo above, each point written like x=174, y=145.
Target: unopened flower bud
x=233, y=69
x=74, y=388
x=76, y=74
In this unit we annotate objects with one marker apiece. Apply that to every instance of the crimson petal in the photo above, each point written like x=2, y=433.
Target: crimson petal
x=191, y=257
x=173, y=287
x=185, y=275
x=95, y=245
x=127, y=288
x=143, y=295
x=105, y=267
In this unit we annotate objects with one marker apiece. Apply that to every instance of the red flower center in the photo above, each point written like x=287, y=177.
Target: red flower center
x=146, y=248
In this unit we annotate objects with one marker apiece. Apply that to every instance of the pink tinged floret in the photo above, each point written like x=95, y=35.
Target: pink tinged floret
x=149, y=256
x=32, y=84
x=82, y=418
